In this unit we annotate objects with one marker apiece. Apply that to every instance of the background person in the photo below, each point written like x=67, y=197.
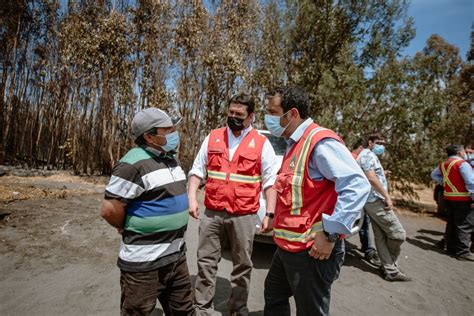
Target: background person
x=456, y=176
x=389, y=233
x=370, y=254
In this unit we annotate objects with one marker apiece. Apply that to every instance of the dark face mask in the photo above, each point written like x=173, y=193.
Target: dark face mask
x=235, y=124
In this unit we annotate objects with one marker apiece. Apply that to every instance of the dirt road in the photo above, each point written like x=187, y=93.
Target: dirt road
x=57, y=257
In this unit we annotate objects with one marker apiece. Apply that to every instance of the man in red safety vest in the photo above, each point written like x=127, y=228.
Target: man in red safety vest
x=320, y=193
x=239, y=163
x=457, y=178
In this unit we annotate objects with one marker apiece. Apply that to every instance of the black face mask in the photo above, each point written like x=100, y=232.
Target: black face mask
x=235, y=124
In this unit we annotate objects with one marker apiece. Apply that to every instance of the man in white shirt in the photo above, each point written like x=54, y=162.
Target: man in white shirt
x=239, y=163
x=389, y=233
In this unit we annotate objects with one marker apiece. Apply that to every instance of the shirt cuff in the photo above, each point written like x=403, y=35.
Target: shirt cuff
x=268, y=183
x=334, y=227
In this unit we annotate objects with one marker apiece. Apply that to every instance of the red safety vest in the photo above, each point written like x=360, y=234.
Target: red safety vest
x=301, y=201
x=234, y=186
x=453, y=183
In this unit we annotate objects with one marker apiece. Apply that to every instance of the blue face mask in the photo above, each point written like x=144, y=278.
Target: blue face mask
x=172, y=141
x=272, y=122
x=378, y=149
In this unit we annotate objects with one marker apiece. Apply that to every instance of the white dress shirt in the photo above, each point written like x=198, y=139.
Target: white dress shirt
x=268, y=160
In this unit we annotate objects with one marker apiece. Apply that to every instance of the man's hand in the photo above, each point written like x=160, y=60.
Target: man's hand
x=194, y=208
x=193, y=185
x=267, y=225
x=388, y=204
x=321, y=248
x=377, y=186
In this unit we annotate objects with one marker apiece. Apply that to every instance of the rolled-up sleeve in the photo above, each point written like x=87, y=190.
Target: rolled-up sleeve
x=270, y=166
x=334, y=161
x=199, y=168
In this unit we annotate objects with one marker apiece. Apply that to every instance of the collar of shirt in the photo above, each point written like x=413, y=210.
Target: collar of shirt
x=364, y=152
x=456, y=156
x=233, y=138
x=158, y=153
x=299, y=132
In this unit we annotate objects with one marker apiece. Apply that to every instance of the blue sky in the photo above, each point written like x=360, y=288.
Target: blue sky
x=451, y=19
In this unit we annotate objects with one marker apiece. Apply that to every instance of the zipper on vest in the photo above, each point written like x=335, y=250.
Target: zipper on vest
x=227, y=176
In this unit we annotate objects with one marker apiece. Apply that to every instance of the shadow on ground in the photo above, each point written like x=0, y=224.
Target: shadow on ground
x=354, y=258
x=426, y=242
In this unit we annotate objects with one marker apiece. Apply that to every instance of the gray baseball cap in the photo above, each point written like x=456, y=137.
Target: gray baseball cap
x=150, y=118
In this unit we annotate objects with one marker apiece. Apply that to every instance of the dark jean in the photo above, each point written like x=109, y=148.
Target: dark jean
x=171, y=284
x=459, y=227
x=364, y=236
x=307, y=279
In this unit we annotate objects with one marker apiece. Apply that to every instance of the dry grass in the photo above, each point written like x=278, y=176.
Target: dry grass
x=13, y=188
x=62, y=185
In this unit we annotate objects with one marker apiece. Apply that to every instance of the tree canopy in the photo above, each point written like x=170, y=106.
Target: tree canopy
x=75, y=72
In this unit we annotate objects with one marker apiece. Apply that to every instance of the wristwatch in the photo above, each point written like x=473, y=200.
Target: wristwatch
x=332, y=237
x=270, y=214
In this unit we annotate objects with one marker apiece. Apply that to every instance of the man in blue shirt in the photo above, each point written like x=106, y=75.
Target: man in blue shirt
x=458, y=182
x=308, y=274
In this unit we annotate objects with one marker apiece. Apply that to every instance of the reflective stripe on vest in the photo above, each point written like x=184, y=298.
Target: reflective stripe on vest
x=216, y=175
x=244, y=178
x=446, y=180
x=234, y=177
x=297, y=180
x=297, y=237
x=457, y=194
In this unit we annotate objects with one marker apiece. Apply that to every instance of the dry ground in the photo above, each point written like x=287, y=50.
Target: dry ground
x=57, y=257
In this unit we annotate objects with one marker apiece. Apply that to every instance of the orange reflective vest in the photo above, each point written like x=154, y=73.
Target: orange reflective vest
x=301, y=201
x=234, y=185
x=453, y=183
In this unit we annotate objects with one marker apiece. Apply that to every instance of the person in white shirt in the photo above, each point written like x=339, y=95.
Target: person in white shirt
x=240, y=165
x=389, y=233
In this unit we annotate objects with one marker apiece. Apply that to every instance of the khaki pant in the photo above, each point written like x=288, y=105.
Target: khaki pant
x=214, y=230
x=389, y=234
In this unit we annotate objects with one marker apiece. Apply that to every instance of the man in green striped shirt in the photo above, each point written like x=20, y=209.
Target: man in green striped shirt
x=146, y=201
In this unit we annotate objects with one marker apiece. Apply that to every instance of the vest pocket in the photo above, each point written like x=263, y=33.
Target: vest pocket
x=288, y=194
x=245, y=200
x=247, y=163
x=214, y=194
x=215, y=156
x=281, y=187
